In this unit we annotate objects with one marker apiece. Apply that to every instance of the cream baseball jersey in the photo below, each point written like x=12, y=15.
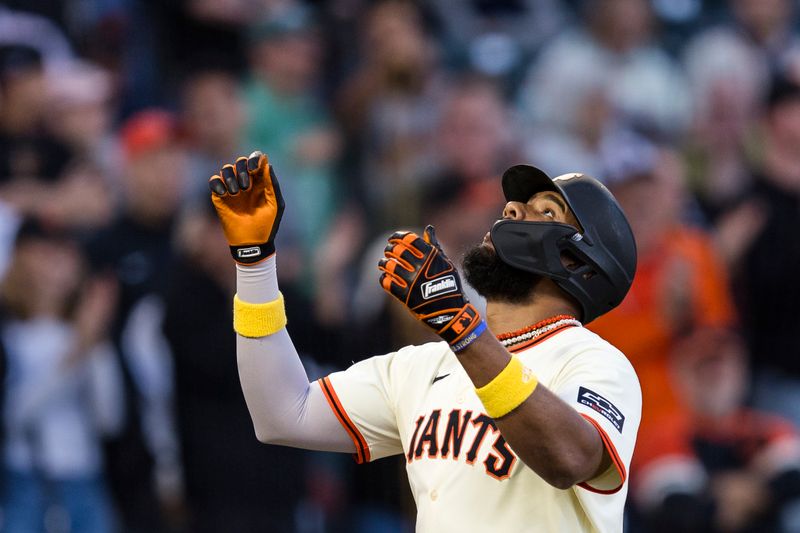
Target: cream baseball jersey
x=419, y=402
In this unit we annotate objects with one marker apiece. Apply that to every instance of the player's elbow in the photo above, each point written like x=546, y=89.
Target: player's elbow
x=567, y=472
x=562, y=481
x=269, y=434
x=567, y=484
x=570, y=465
x=264, y=437
x=278, y=434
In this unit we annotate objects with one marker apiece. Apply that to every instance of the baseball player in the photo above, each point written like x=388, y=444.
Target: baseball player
x=522, y=420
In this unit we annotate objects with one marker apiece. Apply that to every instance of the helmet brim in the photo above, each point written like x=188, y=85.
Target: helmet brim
x=520, y=182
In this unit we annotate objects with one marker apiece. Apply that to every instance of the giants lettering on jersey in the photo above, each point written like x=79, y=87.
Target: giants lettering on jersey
x=461, y=435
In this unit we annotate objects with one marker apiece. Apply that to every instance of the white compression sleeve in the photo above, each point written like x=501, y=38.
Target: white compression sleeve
x=285, y=408
x=258, y=283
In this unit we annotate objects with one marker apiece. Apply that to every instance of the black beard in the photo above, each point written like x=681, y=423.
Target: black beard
x=495, y=280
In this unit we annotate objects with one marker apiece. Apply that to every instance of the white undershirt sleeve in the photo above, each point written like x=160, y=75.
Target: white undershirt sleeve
x=285, y=408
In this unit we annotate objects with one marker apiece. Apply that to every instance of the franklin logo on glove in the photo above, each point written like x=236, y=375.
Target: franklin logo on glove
x=244, y=253
x=439, y=286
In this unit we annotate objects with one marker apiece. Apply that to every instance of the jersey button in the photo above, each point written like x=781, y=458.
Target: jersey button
x=434, y=495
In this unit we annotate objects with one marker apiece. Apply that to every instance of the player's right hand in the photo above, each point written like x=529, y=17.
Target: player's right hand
x=249, y=204
x=416, y=271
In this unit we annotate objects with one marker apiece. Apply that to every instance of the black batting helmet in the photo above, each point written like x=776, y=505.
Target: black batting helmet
x=605, y=251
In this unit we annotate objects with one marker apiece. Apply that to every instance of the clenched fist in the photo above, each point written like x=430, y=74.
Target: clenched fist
x=249, y=205
x=416, y=271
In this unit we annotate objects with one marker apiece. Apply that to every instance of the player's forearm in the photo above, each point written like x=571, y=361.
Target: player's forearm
x=284, y=406
x=549, y=436
x=554, y=440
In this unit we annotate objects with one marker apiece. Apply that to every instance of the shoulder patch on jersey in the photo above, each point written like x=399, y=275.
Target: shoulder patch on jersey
x=601, y=405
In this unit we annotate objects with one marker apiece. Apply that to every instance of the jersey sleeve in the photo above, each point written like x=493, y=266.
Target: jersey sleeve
x=361, y=397
x=602, y=386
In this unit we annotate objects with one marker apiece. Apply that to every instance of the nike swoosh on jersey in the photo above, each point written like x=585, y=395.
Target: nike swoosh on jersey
x=437, y=378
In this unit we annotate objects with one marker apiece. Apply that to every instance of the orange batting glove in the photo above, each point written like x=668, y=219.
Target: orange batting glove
x=249, y=205
x=416, y=271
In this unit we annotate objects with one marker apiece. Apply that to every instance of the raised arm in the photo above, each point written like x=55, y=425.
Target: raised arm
x=550, y=437
x=285, y=408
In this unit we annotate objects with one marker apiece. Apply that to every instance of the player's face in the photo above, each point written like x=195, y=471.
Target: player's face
x=497, y=281
x=545, y=206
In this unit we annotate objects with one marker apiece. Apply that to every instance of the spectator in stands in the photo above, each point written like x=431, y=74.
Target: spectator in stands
x=767, y=26
x=39, y=176
x=80, y=113
x=143, y=460
x=389, y=108
x=66, y=204
x=60, y=392
x=496, y=38
x=680, y=284
x=473, y=143
x=721, y=467
x=29, y=155
x=727, y=92
x=475, y=135
x=607, y=69
x=26, y=29
x=286, y=119
x=729, y=69
x=765, y=251
x=213, y=118
x=234, y=483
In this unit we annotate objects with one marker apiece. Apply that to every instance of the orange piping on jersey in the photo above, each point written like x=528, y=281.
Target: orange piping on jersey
x=612, y=452
x=362, y=449
x=536, y=340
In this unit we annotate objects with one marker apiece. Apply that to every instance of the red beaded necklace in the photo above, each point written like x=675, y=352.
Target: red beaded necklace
x=527, y=333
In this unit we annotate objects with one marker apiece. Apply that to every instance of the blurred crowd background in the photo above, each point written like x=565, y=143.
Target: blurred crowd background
x=121, y=409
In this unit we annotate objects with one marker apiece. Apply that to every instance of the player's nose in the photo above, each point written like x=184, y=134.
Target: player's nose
x=513, y=211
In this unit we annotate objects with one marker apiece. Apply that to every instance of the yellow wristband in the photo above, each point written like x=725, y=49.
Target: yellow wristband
x=508, y=389
x=258, y=320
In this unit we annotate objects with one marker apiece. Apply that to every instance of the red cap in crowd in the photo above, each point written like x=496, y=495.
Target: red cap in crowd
x=148, y=130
